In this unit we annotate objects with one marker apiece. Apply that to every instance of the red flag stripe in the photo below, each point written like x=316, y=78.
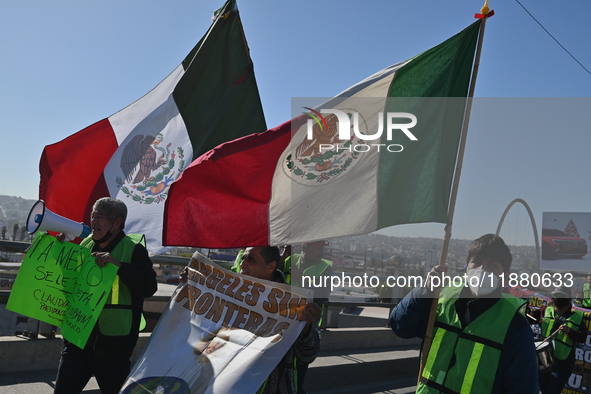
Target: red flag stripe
x=187, y=209
x=72, y=171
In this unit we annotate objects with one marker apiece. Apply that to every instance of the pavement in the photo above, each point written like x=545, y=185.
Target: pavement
x=43, y=382
x=394, y=386
x=331, y=365
x=36, y=382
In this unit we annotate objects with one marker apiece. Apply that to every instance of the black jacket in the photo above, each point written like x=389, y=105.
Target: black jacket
x=140, y=278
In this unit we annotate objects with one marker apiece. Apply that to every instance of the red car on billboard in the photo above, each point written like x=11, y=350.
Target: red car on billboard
x=556, y=243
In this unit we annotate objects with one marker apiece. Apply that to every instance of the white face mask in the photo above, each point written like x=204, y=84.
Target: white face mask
x=481, y=282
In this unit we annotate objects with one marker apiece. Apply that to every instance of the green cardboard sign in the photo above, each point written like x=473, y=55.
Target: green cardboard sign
x=60, y=284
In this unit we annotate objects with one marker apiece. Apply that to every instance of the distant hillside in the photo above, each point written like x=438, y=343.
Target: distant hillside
x=14, y=210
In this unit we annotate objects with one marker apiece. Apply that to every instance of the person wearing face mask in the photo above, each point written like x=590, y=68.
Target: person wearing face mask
x=570, y=329
x=481, y=342
x=110, y=345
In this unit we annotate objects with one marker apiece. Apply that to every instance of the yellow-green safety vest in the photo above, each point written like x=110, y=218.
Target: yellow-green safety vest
x=586, y=296
x=236, y=266
x=115, y=319
x=315, y=270
x=465, y=360
x=261, y=389
x=562, y=343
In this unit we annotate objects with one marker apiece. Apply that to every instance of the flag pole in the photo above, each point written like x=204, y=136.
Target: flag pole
x=454, y=193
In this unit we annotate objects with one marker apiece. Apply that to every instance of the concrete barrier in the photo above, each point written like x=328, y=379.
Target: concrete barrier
x=363, y=338
x=19, y=354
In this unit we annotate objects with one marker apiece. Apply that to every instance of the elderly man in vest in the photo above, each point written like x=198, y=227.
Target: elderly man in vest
x=108, y=350
x=570, y=329
x=481, y=343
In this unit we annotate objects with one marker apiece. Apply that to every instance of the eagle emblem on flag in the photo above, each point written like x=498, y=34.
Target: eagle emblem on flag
x=324, y=157
x=149, y=168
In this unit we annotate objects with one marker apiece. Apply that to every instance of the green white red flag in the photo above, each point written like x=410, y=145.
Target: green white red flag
x=281, y=187
x=136, y=154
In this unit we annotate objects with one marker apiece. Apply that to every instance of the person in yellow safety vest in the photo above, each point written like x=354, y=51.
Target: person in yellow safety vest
x=587, y=293
x=108, y=350
x=308, y=270
x=237, y=261
x=570, y=329
x=481, y=343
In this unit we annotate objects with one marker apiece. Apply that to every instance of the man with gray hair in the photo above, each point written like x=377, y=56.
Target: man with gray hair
x=110, y=345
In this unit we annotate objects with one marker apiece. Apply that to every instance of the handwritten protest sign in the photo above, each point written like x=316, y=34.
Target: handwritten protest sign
x=45, y=279
x=222, y=332
x=60, y=284
x=87, y=300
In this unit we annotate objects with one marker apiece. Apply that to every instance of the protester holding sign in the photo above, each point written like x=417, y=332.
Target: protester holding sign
x=481, y=341
x=108, y=350
x=261, y=263
x=568, y=329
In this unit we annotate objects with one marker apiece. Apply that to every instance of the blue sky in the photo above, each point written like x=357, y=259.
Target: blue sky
x=66, y=65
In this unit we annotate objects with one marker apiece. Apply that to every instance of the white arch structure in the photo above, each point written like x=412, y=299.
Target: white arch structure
x=533, y=223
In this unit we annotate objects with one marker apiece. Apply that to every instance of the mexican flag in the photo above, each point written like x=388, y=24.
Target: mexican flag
x=137, y=153
x=385, y=157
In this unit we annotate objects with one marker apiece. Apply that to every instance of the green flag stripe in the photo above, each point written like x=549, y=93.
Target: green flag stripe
x=219, y=68
x=414, y=185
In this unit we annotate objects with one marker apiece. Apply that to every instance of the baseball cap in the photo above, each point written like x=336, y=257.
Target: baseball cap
x=562, y=292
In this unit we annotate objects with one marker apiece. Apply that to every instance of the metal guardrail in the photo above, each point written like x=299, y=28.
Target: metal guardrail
x=14, y=246
x=170, y=260
x=21, y=247
x=4, y=294
x=343, y=305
